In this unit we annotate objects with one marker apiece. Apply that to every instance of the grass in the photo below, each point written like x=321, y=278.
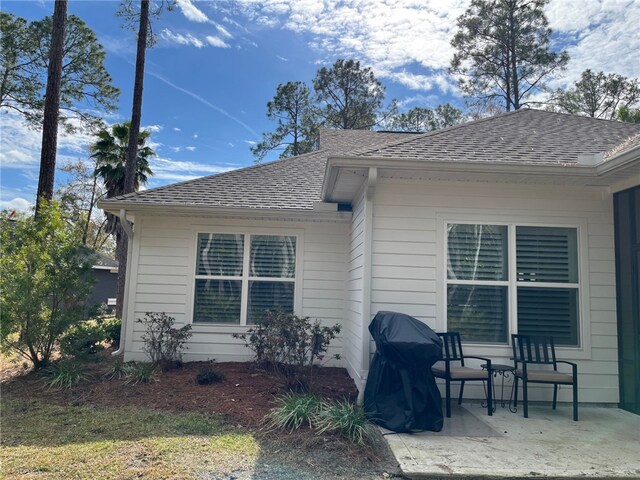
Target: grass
x=346, y=419
x=65, y=374
x=64, y=442
x=293, y=411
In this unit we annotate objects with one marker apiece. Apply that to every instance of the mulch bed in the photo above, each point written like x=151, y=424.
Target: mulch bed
x=244, y=397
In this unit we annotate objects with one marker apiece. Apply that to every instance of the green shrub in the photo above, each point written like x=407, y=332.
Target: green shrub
x=208, y=375
x=346, y=419
x=111, y=326
x=83, y=341
x=139, y=372
x=293, y=411
x=289, y=344
x=45, y=280
x=65, y=374
x=162, y=341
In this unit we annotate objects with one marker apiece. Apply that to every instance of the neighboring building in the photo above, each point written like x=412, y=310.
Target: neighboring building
x=105, y=274
x=492, y=227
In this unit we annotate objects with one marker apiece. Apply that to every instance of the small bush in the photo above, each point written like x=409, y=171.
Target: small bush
x=162, y=341
x=65, y=374
x=83, y=341
x=111, y=327
x=208, y=375
x=291, y=345
x=139, y=372
x=346, y=419
x=293, y=411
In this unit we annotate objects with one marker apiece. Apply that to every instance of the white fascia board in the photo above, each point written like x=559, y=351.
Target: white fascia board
x=134, y=208
x=618, y=161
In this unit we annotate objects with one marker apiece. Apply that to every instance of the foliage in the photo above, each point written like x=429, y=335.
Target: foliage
x=65, y=374
x=139, y=372
x=289, y=344
x=110, y=154
x=346, y=419
x=24, y=58
x=342, y=417
x=83, y=341
x=297, y=125
x=78, y=197
x=209, y=374
x=112, y=328
x=348, y=96
x=162, y=341
x=45, y=278
x=421, y=119
x=117, y=370
x=630, y=115
x=294, y=410
x=599, y=95
x=503, y=51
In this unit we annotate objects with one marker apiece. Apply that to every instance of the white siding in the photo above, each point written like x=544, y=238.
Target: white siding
x=408, y=262
x=163, y=278
x=354, y=324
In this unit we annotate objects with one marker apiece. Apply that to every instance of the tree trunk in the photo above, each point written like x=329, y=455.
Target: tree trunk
x=121, y=257
x=136, y=111
x=132, y=147
x=52, y=106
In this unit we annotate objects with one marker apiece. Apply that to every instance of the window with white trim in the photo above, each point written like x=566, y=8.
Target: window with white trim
x=239, y=276
x=532, y=268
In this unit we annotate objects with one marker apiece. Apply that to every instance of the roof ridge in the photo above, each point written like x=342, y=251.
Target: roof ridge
x=218, y=175
x=437, y=132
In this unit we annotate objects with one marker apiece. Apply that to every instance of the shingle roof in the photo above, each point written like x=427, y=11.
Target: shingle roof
x=524, y=136
x=626, y=145
x=291, y=183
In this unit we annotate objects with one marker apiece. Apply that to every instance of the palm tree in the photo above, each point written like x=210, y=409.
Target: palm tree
x=110, y=154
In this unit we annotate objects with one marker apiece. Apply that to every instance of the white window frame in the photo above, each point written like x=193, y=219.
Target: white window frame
x=245, y=278
x=583, y=350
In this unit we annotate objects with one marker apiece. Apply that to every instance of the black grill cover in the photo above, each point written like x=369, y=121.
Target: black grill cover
x=401, y=394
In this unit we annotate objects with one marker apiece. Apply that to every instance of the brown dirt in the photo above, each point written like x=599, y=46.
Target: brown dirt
x=244, y=397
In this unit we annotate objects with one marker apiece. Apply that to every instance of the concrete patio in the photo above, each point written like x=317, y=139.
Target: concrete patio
x=605, y=443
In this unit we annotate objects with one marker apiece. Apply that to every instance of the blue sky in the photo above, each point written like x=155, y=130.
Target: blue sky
x=216, y=64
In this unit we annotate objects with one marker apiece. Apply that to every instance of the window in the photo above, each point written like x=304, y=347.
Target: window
x=544, y=291
x=240, y=276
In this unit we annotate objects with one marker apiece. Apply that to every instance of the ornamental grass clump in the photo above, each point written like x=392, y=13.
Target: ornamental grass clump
x=65, y=374
x=346, y=419
x=139, y=372
x=293, y=411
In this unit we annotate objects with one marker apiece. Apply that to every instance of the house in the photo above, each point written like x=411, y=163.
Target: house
x=492, y=227
x=105, y=276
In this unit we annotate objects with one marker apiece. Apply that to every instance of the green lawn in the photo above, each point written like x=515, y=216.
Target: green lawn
x=52, y=441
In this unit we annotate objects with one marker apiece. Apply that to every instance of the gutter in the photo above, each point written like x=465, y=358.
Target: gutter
x=126, y=225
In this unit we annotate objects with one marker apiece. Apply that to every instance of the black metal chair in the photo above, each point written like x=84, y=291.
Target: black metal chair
x=453, y=369
x=538, y=351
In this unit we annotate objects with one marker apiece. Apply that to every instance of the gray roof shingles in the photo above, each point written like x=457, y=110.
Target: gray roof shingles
x=524, y=136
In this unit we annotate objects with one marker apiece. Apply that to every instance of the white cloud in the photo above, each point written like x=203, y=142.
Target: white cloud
x=152, y=128
x=216, y=42
x=190, y=148
x=175, y=149
x=250, y=142
x=181, y=39
x=195, y=135
x=282, y=58
x=176, y=129
x=409, y=42
x=191, y=12
x=20, y=204
x=231, y=144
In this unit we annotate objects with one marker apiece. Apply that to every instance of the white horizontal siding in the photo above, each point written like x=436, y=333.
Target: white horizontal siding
x=407, y=254
x=163, y=279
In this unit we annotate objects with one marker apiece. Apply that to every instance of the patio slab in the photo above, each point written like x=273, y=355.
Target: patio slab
x=605, y=443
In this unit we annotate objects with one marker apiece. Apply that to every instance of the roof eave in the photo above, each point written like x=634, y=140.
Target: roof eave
x=266, y=213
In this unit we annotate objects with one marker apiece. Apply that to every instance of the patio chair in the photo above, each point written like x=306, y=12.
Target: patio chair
x=539, y=351
x=452, y=369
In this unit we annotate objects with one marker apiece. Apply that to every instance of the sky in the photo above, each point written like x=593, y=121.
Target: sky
x=216, y=64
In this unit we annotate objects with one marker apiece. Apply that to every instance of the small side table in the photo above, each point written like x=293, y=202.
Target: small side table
x=504, y=371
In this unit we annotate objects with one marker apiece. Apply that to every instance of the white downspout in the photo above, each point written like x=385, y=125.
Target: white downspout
x=125, y=301
x=372, y=182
